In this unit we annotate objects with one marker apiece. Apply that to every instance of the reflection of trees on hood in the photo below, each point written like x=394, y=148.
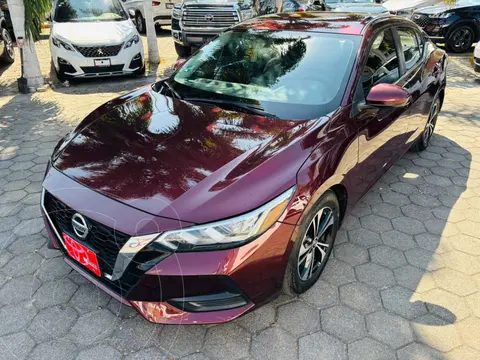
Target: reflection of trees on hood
x=117, y=154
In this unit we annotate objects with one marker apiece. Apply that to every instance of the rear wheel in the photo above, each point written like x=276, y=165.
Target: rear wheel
x=140, y=23
x=424, y=140
x=313, y=246
x=461, y=39
x=183, y=51
x=8, y=52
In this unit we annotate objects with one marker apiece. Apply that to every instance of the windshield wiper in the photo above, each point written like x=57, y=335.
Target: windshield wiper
x=257, y=110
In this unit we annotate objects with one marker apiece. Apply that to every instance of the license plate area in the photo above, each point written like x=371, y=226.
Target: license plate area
x=169, y=5
x=102, y=62
x=82, y=254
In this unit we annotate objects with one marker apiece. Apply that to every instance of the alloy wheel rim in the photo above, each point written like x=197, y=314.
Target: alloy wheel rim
x=430, y=127
x=316, y=244
x=462, y=38
x=8, y=44
x=140, y=24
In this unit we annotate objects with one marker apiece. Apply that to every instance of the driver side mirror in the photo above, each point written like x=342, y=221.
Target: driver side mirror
x=388, y=95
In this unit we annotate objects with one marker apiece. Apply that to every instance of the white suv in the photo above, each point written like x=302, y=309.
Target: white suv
x=162, y=12
x=476, y=58
x=92, y=38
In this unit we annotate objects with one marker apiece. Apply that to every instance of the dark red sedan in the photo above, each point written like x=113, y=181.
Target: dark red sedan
x=199, y=197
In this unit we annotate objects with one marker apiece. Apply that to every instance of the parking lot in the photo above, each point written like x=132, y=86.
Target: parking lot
x=403, y=282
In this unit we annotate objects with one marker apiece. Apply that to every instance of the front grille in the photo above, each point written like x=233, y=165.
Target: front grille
x=197, y=16
x=99, y=51
x=421, y=20
x=106, y=241
x=102, y=69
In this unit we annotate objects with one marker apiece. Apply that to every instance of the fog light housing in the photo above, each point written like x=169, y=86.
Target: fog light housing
x=211, y=302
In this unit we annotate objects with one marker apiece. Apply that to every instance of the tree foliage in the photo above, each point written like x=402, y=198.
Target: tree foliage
x=35, y=14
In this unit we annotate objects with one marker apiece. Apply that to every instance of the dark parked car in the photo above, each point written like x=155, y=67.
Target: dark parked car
x=457, y=26
x=7, y=53
x=199, y=197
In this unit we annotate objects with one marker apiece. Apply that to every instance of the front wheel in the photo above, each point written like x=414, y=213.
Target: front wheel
x=424, y=140
x=140, y=23
x=183, y=51
x=461, y=39
x=313, y=246
x=8, y=52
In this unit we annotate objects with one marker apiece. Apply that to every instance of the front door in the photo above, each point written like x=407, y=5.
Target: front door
x=380, y=131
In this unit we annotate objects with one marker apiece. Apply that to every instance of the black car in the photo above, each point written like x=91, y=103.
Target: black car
x=7, y=53
x=457, y=26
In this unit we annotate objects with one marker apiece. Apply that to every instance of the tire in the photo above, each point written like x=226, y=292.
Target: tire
x=326, y=214
x=460, y=39
x=424, y=140
x=183, y=51
x=8, y=55
x=60, y=76
x=140, y=23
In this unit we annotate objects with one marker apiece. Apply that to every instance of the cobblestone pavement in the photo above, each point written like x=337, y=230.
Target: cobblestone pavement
x=403, y=283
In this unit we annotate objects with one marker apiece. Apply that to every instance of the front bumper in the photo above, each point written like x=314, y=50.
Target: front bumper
x=436, y=29
x=73, y=64
x=476, y=64
x=174, y=288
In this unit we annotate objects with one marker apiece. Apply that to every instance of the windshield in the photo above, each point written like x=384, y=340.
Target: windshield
x=89, y=10
x=467, y=2
x=291, y=74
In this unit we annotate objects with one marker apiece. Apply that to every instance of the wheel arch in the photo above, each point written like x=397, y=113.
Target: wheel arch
x=441, y=96
x=341, y=193
x=470, y=22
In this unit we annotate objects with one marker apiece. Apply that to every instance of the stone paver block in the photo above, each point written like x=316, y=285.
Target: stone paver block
x=369, y=349
x=398, y=300
x=15, y=346
x=469, y=330
x=53, y=269
x=455, y=282
x=18, y=289
x=54, y=350
x=364, y=237
x=424, y=259
x=16, y=317
x=264, y=317
x=230, y=342
x=408, y=225
x=54, y=293
x=387, y=256
x=343, y=323
x=417, y=212
x=27, y=244
x=463, y=353
x=338, y=272
x=436, y=333
x=100, y=352
x=398, y=240
x=180, y=340
x=386, y=210
x=446, y=305
x=414, y=278
x=285, y=345
x=321, y=295
x=321, y=346
x=466, y=244
x=351, y=253
x=360, y=297
x=390, y=329
x=93, y=327
x=395, y=199
x=418, y=351
x=88, y=298
x=52, y=323
x=298, y=318
x=23, y=264
x=376, y=223
x=375, y=275
x=460, y=261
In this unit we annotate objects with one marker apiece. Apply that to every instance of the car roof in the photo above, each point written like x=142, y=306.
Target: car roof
x=322, y=21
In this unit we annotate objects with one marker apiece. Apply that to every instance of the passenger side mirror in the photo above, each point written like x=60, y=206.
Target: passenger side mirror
x=179, y=64
x=388, y=95
x=49, y=17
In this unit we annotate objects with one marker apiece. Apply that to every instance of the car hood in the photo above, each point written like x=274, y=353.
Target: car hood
x=396, y=5
x=438, y=9
x=357, y=7
x=94, y=33
x=186, y=161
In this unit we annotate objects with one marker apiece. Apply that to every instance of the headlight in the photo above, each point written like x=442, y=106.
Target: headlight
x=227, y=233
x=404, y=12
x=59, y=43
x=247, y=14
x=133, y=40
x=177, y=12
x=443, y=15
